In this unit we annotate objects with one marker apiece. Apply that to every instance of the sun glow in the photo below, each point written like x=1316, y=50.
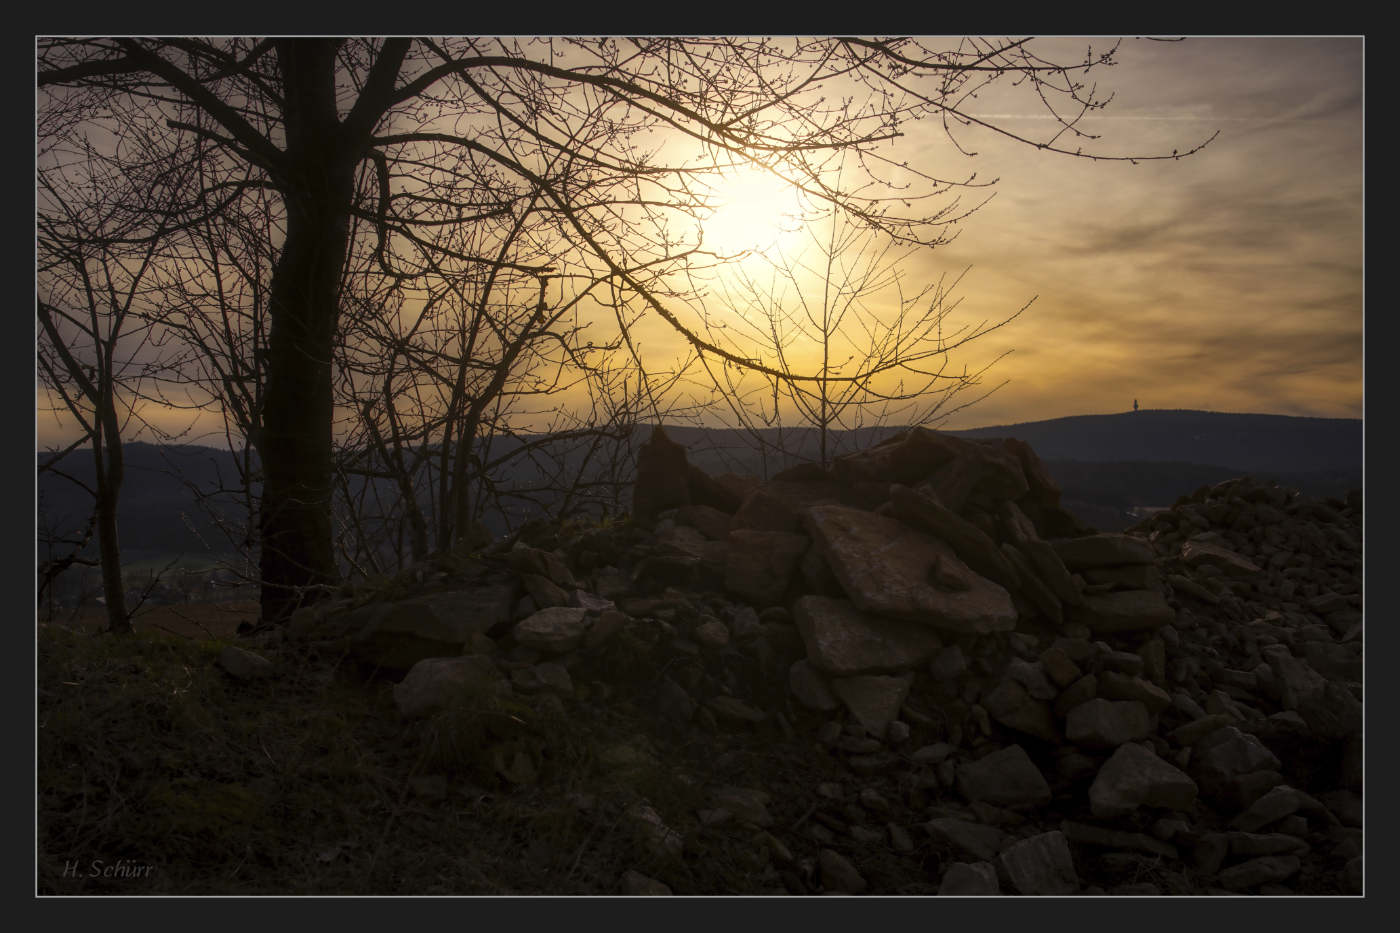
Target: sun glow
x=753, y=209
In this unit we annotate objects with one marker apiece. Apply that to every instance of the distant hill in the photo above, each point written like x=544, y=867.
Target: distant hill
x=1105, y=464
x=1252, y=443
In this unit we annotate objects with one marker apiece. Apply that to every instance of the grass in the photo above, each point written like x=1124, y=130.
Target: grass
x=309, y=782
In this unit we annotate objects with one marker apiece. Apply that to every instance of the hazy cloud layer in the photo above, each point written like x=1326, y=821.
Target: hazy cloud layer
x=1230, y=280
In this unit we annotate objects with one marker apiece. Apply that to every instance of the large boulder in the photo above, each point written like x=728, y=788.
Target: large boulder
x=907, y=457
x=662, y=477
x=890, y=569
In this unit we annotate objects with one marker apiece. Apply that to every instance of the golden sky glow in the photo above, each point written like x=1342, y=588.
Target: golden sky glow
x=1231, y=280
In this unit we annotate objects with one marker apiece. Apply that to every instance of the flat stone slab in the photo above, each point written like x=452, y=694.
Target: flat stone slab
x=1103, y=550
x=556, y=630
x=972, y=545
x=1124, y=611
x=892, y=570
x=1196, y=553
x=844, y=641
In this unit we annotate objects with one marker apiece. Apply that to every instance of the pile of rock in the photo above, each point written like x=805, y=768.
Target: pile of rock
x=1053, y=711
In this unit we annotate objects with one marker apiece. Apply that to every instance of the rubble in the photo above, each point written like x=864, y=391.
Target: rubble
x=1056, y=708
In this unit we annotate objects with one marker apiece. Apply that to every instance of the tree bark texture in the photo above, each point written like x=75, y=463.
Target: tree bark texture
x=317, y=183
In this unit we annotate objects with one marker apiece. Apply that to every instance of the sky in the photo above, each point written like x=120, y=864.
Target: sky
x=1229, y=280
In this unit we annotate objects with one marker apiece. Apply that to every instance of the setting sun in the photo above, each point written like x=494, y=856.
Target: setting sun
x=753, y=209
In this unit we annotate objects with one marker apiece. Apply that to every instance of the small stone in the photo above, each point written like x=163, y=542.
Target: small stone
x=660, y=840
x=1248, y=845
x=948, y=664
x=734, y=710
x=634, y=883
x=1102, y=837
x=555, y=630
x=1006, y=777
x=1137, y=889
x=1194, y=731
x=1101, y=723
x=608, y=623
x=555, y=678
x=244, y=665
x=673, y=702
x=932, y=754
x=1041, y=865
x=874, y=801
x=970, y=879
x=1263, y=870
x=711, y=633
x=1059, y=667
x=1353, y=876
x=1115, y=686
x=874, y=699
x=838, y=875
x=1081, y=691
x=1033, y=677
x=1135, y=777
x=1209, y=852
x=746, y=803
x=437, y=682
x=980, y=841
x=810, y=688
x=1011, y=705
x=778, y=848
x=900, y=840
x=1274, y=805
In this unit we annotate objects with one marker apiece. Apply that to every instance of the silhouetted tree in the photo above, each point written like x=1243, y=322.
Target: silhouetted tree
x=838, y=303
x=94, y=351
x=390, y=138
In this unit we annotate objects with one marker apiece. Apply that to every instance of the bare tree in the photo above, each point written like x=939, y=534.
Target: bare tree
x=409, y=136
x=839, y=304
x=94, y=351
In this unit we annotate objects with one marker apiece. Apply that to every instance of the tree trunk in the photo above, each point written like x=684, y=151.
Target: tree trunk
x=109, y=475
x=297, y=559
